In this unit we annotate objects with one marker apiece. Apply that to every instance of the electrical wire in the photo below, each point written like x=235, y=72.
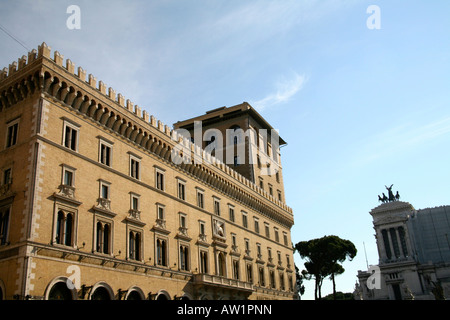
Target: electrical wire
x=13, y=37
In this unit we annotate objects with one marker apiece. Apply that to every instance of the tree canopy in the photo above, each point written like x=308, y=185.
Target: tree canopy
x=324, y=256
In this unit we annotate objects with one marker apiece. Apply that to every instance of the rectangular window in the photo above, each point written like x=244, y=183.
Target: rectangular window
x=266, y=227
x=181, y=189
x=233, y=239
x=270, y=190
x=277, y=237
x=135, y=166
x=104, y=191
x=161, y=212
x=4, y=225
x=7, y=176
x=247, y=247
x=216, y=206
x=256, y=222
x=285, y=238
x=159, y=176
x=68, y=178
x=200, y=199
x=279, y=195
x=161, y=216
x=12, y=131
x=105, y=152
x=202, y=227
x=183, y=224
x=134, y=199
x=70, y=135
x=231, y=212
x=244, y=220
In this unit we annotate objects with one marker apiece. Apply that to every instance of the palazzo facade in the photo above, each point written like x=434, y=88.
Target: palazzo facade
x=93, y=204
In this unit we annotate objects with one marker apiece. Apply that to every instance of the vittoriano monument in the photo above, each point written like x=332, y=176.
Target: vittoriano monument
x=391, y=197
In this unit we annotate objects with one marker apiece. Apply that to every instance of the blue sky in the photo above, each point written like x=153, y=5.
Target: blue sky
x=360, y=108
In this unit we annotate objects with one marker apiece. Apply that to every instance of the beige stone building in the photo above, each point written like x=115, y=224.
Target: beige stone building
x=95, y=205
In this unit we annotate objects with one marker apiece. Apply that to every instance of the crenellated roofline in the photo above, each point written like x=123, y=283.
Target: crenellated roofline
x=41, y=73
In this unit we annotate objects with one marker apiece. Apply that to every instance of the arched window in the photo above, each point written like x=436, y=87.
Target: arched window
x=204, y=262
x=101, y=293
x=106, y=233
x=184, y=260
x=249, y=273
x=161, y=252
x=60, y=291
x=221, y=264
x=103, y=237
x=134, y=295
x=262, y=281
x=68, y=233
x=134, y=245
x=64, y=228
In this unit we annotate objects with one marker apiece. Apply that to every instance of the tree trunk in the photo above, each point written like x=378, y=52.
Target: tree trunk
x=334, y=286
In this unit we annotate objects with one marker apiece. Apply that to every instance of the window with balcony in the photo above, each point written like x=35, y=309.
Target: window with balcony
x=104, y=201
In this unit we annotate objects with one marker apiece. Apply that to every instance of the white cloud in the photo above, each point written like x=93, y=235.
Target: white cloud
x=285, y=89
x=399, y=139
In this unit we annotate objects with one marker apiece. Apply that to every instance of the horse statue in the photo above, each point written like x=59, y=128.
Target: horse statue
x=383, y=199
x=391, y=194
